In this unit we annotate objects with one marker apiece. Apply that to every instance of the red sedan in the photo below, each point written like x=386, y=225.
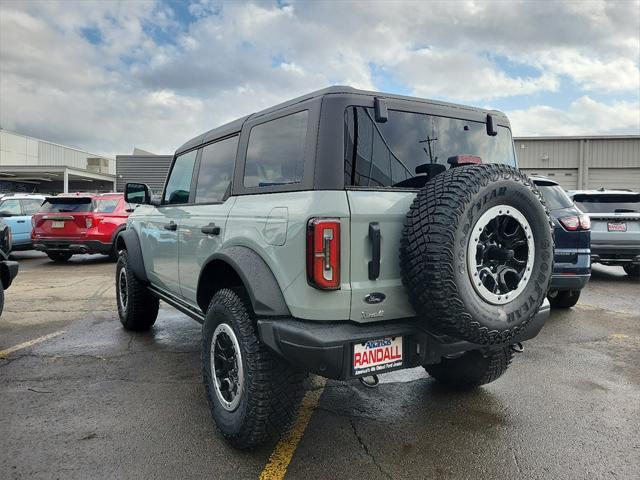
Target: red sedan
x=80, y=223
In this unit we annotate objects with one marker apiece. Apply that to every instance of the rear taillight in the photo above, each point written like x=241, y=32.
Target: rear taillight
x=573, y=223
x=323, y=253
x=585, y=222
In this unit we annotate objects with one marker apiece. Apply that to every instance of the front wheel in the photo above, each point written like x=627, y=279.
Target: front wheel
x=59, y=256
x=632, y=270
x=563, y=299
x=253, y=394
x=471, y=369
x=137, y=307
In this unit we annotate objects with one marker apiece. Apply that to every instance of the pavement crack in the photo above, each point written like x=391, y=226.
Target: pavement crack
x=366, y=449
x=38, y=391
x=515, y=460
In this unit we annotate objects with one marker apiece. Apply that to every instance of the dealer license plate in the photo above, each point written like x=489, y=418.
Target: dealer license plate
x=617, y=227
x=375, y=356
x=57, y=224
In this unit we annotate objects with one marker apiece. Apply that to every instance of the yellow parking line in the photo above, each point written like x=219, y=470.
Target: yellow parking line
x=35, y=341
x=276, y=467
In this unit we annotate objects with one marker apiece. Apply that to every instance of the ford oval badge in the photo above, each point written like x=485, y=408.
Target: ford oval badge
x=375, y=297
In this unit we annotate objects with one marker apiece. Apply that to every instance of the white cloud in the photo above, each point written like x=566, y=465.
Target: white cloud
x=585, y=116
x=135, y=88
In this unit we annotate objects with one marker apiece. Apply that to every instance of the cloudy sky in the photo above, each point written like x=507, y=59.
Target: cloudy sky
x=110, y=75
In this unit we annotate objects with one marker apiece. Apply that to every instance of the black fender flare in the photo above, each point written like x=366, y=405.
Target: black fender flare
x=256, y=276
x=117, y=232
x=129, y=241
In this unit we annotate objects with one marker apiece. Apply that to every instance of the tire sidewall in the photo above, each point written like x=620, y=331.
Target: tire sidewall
x=504, y=191
x=230, y=423
x=123, y=263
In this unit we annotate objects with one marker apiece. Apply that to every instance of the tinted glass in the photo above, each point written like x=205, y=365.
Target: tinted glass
x=31, y=206
x=275, y=155
x=106, y=205
x=608, y=203
x=554, y=197
x=67, y=205
x=388, y=153
x=179, y=184
x=11, y=207
x=216, y=170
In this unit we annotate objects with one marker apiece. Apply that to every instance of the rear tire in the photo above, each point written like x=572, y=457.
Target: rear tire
x=137, y=307
x=257, y=394
x=472, y=369
x=564, y=298
x=59, y=256
x=1, y=298
x=632, y=270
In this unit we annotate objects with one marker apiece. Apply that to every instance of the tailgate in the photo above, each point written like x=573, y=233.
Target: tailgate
x=618, y=229
x=388, y=210
x=63, y=217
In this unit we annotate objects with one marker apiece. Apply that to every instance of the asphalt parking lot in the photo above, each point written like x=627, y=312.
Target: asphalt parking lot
x=93, y=401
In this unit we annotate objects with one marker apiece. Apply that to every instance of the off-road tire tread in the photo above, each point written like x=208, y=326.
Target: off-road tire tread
x=142, y=305
x=427, y=255
x=459, y=372
x=274, y=387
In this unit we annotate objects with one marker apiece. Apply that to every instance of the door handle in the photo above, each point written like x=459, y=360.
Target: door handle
x=21, y=221
x=374, y=238
x=210, y=229
x=171, y=226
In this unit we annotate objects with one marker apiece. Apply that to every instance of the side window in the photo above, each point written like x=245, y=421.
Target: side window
x=275, y=155
x=106, y=205
x=179, y=184
x=216, y=170
x=11, y=206
x=31, y=206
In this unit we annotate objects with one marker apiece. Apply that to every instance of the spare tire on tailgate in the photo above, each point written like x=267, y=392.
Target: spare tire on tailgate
x=477, y=253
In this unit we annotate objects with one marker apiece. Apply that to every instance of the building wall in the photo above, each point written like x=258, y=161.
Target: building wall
x=21, y=150
x=149, y=169
x=583, y=162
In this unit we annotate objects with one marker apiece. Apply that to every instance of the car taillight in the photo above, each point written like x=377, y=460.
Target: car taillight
x=573, y=223
x=323, y=253
x=585, y=222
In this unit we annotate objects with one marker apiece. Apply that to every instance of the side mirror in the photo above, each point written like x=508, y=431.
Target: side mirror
x=137, y=193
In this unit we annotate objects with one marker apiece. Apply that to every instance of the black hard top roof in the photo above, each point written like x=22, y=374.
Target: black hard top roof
x=236, y=125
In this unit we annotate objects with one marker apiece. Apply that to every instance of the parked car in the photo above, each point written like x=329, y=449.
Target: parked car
x=281, y=233
x=80, y=223
x=572, y=253
x=17, y=210
x=8, y=268
x=615, y=226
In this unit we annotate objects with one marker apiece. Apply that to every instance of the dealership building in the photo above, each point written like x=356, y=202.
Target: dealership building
x=583, y=162
x=31, y=165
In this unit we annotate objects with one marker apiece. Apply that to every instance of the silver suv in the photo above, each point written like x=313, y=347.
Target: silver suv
x=344, y=233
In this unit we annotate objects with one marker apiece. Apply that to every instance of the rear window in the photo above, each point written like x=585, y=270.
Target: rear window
x=385, y=154
x=275, y=155
x=67, y=205
x=555, y=197
x=608, y=203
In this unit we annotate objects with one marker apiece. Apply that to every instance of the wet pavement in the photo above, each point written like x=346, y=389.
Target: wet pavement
x=98, y=402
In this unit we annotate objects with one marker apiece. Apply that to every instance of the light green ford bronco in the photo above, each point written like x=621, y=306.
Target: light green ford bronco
x=344, y=233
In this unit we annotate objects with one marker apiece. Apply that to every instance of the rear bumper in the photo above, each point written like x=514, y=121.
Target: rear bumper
x=326, y=348
x=615, y=254
x=8, y=271
x=72, y=246
x=569, y=281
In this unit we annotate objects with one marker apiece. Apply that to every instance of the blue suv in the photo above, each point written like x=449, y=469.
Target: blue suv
x=17, y=210
x=572, y=267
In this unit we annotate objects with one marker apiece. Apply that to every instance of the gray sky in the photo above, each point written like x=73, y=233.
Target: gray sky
x=108, y=75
